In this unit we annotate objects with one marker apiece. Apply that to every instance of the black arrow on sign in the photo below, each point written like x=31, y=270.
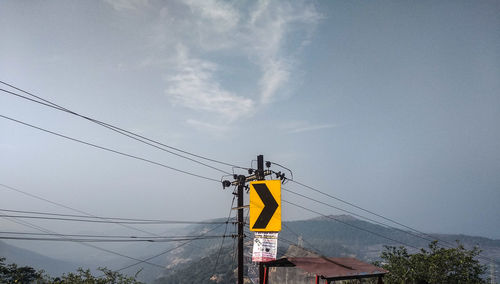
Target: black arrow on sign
x=270, y=206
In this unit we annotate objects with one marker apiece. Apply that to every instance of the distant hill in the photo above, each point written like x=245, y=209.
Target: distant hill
x=195, y=262
x=350, y=237
x=23, y=257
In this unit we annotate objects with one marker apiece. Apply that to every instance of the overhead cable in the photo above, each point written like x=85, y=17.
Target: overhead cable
x=422, y=234
x=63, y=238
x=69, y=207
x=110, y=150
x=357, y=215
x=117, y=129
x=164, y=252
x=114, y=218
x=159, y=222
x=348, y=224
x=41, y=229
x=225, y=230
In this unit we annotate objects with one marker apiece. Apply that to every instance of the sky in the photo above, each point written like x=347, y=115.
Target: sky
x=390, y=105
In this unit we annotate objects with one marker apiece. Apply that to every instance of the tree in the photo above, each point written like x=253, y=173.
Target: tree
x=433, y=265
x=11, y=273
x=85, y=277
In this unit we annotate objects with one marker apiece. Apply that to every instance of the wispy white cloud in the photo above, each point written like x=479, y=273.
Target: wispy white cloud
x=267, y=36
x=122, y=5
x=194, y=86
x=301, y=126
x=270, y=24
x=275, y=75
x=208, y=127
x=220, y=16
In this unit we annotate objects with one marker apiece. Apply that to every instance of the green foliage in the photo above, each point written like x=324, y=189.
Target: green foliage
x=11, y=273
x=433, y=265
x=85, y=277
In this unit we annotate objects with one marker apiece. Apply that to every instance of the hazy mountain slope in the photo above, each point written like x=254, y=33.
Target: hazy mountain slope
x=332, y=238
x=23, y=257
x=349, y=237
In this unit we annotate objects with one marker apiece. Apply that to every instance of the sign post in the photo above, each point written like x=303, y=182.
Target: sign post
x=265, y=213
x=265, y=217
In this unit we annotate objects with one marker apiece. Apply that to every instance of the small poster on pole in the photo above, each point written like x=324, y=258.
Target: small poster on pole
x=265, y=246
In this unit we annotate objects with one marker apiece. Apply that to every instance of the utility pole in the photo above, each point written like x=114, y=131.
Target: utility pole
x=241, y=236
x=240, y=181
x=492, y=272
x=260, y=176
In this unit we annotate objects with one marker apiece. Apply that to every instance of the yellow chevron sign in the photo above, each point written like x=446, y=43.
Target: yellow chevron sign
x=265, y=206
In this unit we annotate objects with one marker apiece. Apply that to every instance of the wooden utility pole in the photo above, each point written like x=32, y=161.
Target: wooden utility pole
x=260, y=176
x=241, y=233
x=240, y=181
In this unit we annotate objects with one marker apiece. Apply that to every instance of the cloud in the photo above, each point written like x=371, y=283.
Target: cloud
x=303, y=127
x=123, y=5
x=273, y=77
x=220, y=16
x=218, y=37
x=209, y=127
x=194, y=87
x=270, y=24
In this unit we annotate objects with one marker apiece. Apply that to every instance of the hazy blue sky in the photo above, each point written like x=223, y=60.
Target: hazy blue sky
x=391, y=105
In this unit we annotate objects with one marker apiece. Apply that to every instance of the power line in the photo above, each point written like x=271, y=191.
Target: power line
x=69, y=208
x=164, y=252
x=225, y=230
x=138, y=261
x=430, y=238
x=64, y=238
x=109, y=149
x=348, y=224
x=171, y=249
x=41, y=229
x=355, y=214
x=355, y=206
x=114, y=218
x=111, y=127
x=102, y=236
x=108, y=220
x=118, y=129
x=368, y=231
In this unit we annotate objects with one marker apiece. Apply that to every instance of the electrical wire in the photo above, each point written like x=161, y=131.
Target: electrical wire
x=355, y=206
x=164, y=252
x=225, y=230
x=171, y=249
x=348, y=224
x=159, y=222
x=110, y=219
x=70, y=208
x=63, y=238
x=100, y=236
x=291, y=173
x=109, y=149
x=357, y=215
x=117, y=129
x=422, y=234
x=41, y=229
